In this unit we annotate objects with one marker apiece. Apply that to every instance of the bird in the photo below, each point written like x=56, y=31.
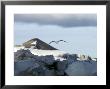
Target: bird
x=57, y=41
x=52, y=42
x=60, y=41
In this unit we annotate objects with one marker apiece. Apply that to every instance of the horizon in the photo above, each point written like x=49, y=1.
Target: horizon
x=81, y=37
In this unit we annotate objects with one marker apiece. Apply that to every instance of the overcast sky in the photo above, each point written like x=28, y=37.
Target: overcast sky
x=64, y=20
x=79, y=30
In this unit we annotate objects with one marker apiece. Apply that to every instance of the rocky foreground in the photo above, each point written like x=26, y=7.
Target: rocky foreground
x=28, y=64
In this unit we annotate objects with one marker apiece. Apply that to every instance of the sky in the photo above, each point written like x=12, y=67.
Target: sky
x=79, y=30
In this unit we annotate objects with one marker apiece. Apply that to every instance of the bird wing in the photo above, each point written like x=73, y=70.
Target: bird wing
x=52, y=42
x=61, y=40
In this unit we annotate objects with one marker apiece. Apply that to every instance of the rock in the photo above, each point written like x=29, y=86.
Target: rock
x=68, y=62
x=49, y=59
x=61, y=65
x=84, y=57
x=35, y=70
x=60, y=73
x=36, y=65
x=22, y=65
x=82, y=68
x=40, y=71
x=22, y=54
x=70, y=56
x=35, y=73
x=28, y=64
x=49, y=72
x=94, y=59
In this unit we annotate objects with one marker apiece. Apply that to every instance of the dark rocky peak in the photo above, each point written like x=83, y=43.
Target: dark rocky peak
x=38, y=44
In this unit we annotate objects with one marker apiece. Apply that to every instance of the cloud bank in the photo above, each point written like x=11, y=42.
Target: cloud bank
x=64, y=20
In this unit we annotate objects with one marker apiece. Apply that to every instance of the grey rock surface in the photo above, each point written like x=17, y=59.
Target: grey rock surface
x=22, y=65
x=82, y=68
x=27, y=64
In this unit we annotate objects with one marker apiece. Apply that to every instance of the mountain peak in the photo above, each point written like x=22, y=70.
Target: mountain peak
x=38, y=44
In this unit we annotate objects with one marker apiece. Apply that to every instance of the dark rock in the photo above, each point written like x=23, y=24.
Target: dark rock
x=36, y=65
x=60, y=73
x=69, y=56
x=50, y=72
x=22, y=55
x=40, y=71
x=61, y=65
x=49, y=59
x=27, y=64
x=81, y=68
x=39, y=44
x=22, y=65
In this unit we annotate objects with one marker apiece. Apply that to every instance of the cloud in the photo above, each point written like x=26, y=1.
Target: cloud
x=64, y=20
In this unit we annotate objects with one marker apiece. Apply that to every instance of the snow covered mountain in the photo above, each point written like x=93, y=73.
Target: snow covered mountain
x=40, y=48
x=38, y=44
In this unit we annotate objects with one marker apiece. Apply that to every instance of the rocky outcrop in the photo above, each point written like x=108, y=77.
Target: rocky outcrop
x=82, y=68
x=38, y=44
x=28, y=64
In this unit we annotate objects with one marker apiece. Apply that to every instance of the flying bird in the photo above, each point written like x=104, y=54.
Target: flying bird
x=52, y=42
x=57, y=41
x=61, y=40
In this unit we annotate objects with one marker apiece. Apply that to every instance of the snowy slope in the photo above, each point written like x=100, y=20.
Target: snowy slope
x=41, y=52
